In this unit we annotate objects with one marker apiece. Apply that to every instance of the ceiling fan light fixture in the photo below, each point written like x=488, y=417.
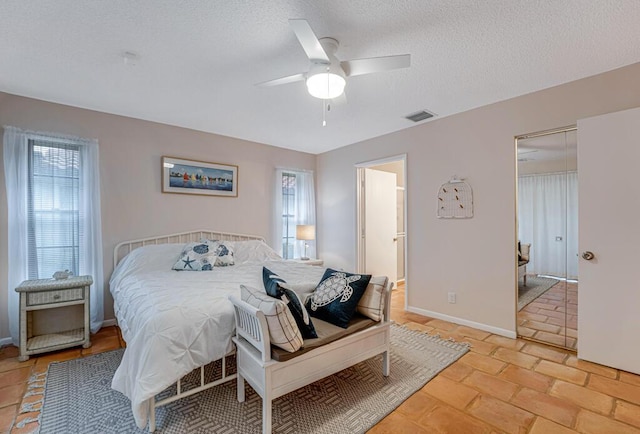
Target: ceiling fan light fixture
x=326, y=85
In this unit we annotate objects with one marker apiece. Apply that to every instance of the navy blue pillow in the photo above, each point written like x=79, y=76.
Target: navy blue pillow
x=272, y=285
x=337, y=295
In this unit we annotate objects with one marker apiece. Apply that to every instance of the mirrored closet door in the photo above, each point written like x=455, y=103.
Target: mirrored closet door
x=547, y=221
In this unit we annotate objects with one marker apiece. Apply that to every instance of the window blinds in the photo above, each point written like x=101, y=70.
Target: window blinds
x=53, y=208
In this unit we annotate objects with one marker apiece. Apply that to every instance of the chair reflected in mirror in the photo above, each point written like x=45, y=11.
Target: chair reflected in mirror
x=523, y=260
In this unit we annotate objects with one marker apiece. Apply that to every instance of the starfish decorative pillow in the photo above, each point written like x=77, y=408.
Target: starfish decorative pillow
x=197, y=257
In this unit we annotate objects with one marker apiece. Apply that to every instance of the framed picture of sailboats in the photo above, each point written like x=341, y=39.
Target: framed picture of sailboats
x=199, y=177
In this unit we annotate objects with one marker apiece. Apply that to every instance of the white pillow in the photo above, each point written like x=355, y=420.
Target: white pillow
x=371, y=304
x=146, y=259
x=253, y=251
x=283, y=330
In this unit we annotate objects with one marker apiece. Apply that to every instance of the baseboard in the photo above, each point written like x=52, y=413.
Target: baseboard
x=5, y=341
x=109, y=322
x=476, y=325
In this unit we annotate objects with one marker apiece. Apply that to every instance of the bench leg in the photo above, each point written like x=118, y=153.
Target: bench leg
x=266, y=415
x=240, y=387
x=385, y=363
x=267, y=398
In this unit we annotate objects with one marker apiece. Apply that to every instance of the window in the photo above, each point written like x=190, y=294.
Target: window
x=288, y=214
x=295, y=205
x=53, y=214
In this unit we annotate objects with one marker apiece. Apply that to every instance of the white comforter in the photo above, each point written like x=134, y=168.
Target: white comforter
x=176, y=321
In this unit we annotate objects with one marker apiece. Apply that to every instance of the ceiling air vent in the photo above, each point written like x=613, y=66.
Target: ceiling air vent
x=420, y=116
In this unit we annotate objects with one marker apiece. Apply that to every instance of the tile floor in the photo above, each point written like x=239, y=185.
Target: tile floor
x=501, y=386
x=552, y=317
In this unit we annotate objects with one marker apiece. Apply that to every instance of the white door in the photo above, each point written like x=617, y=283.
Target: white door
x=609, y=206
x=380, y=224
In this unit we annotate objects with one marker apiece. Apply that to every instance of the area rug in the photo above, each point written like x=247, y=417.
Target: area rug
x=79, y=399
x=536, y=286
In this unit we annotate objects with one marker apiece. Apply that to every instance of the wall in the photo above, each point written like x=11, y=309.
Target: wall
x=132, y=203
x=474, y=257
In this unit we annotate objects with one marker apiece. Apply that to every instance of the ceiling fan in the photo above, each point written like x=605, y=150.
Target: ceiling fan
x=327, y=75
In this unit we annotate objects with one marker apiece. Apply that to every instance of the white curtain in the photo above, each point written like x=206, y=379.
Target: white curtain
x=277, y=231
x=305, y=209
x=301, y=206
x=91, y=228
x=548, y=220
x=16, y=166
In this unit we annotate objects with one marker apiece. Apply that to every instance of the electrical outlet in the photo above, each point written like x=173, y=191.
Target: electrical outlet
x=451, y=297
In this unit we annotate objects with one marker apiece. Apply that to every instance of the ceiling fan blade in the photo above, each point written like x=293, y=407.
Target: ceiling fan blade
x=283, y=80
x=375, y=64
x=309, y=41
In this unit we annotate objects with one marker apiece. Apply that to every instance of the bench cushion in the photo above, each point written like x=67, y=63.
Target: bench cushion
x=327, y=333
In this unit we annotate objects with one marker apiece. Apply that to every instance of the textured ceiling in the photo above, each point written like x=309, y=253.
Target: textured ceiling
x=199, y=59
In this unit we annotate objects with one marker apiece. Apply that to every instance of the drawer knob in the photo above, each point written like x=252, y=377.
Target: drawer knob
x=56, y=297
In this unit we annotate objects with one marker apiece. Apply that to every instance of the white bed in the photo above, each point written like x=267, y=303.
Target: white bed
x=176, y=321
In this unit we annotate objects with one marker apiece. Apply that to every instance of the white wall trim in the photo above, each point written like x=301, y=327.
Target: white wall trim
x=476, y=325
x=359, y=214
x=5, y=341
x=381, y=161
x=109, y=322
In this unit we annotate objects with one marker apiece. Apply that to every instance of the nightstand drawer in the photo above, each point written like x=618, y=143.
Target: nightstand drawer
x=57, y=296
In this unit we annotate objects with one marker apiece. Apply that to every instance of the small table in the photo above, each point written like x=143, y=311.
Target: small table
x=54, y=314
x=310, y=261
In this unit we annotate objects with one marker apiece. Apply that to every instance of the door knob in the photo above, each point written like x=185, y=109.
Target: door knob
x=587, y=255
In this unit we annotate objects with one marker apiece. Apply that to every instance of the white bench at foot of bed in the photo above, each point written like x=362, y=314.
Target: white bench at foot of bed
x=272, y=379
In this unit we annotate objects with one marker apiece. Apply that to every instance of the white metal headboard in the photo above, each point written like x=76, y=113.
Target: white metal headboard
x=124, y=248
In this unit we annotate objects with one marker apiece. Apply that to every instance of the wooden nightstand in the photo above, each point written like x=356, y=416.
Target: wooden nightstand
x=54, y=314
x=311, y=261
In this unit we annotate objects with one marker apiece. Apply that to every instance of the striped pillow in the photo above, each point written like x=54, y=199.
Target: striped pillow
x=371, y=304
x=283, y=330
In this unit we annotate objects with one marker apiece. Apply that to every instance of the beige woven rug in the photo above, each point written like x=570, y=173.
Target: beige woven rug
x=79, y=399
x=536, y=286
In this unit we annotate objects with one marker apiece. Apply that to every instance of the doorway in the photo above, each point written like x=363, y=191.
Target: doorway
x=381, y=218
x=547, y=225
